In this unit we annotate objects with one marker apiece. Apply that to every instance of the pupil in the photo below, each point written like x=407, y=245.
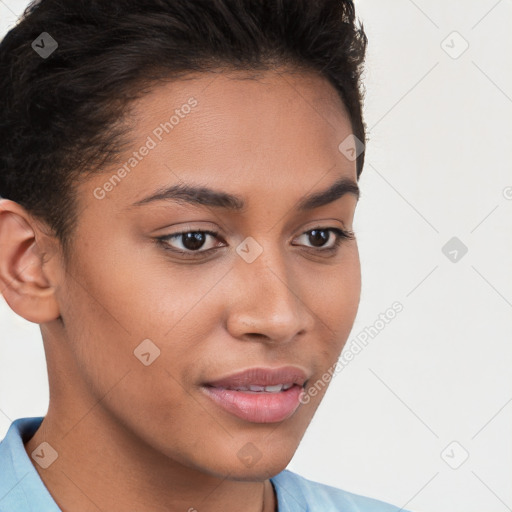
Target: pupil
x=193, y=241
x=315, y=237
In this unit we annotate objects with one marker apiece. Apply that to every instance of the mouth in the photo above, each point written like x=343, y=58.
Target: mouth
x=259, y=395
x=252, y=388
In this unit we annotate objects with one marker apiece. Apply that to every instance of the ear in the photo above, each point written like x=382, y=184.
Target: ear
x=24, y=279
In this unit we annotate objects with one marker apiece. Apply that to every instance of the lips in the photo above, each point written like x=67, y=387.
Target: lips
x=262, y=379
x=259, y=395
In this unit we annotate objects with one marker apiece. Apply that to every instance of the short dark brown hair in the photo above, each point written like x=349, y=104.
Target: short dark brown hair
x=60, y=116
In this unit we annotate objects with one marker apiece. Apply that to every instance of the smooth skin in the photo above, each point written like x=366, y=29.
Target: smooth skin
x=147, y=438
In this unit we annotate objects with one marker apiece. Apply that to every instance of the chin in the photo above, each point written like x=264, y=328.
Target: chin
x=247, y=463
x=260, y=465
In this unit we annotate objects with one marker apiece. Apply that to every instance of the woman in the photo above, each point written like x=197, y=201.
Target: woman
x=180, y=181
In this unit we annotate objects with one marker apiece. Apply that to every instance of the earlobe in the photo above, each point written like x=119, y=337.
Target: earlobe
x=23, y=278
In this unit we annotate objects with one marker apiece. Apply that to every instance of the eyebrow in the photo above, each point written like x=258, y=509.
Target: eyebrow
x=200, y=195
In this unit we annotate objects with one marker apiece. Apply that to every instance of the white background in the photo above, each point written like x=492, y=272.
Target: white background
x=438, y=164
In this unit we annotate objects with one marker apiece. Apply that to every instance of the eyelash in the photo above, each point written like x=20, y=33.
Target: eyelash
x=341, y=236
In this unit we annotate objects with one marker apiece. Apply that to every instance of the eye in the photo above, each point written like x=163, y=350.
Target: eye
x=188, y=241
x=319, y=237
x=191, y=243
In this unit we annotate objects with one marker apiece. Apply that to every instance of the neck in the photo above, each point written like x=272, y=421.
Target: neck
x=101, y=466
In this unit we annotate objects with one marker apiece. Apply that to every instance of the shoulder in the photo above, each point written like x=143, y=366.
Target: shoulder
x=296, y=493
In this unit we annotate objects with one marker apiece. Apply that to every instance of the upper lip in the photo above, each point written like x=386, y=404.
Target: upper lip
x=261, y=376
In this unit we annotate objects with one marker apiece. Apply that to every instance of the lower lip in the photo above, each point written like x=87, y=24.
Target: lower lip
x=257, y=407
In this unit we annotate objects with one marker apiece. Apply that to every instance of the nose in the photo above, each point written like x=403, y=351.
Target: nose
x=267, y=302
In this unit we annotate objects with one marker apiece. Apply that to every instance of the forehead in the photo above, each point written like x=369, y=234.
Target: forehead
x=269, y=133
x=282, y=91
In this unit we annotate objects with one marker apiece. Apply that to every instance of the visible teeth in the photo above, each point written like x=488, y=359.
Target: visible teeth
x=274, y=389
x=268, y=389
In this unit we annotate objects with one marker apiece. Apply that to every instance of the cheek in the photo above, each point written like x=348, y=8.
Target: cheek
x=122, y=301
x=337, y=295
x=118, y=312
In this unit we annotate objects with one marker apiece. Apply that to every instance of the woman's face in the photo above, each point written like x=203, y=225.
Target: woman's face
x=146, y=327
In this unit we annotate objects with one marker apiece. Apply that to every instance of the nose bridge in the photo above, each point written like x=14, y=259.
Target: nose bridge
x=267, y=300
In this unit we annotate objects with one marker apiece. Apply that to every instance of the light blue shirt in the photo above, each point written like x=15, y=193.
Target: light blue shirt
x=22, y=490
